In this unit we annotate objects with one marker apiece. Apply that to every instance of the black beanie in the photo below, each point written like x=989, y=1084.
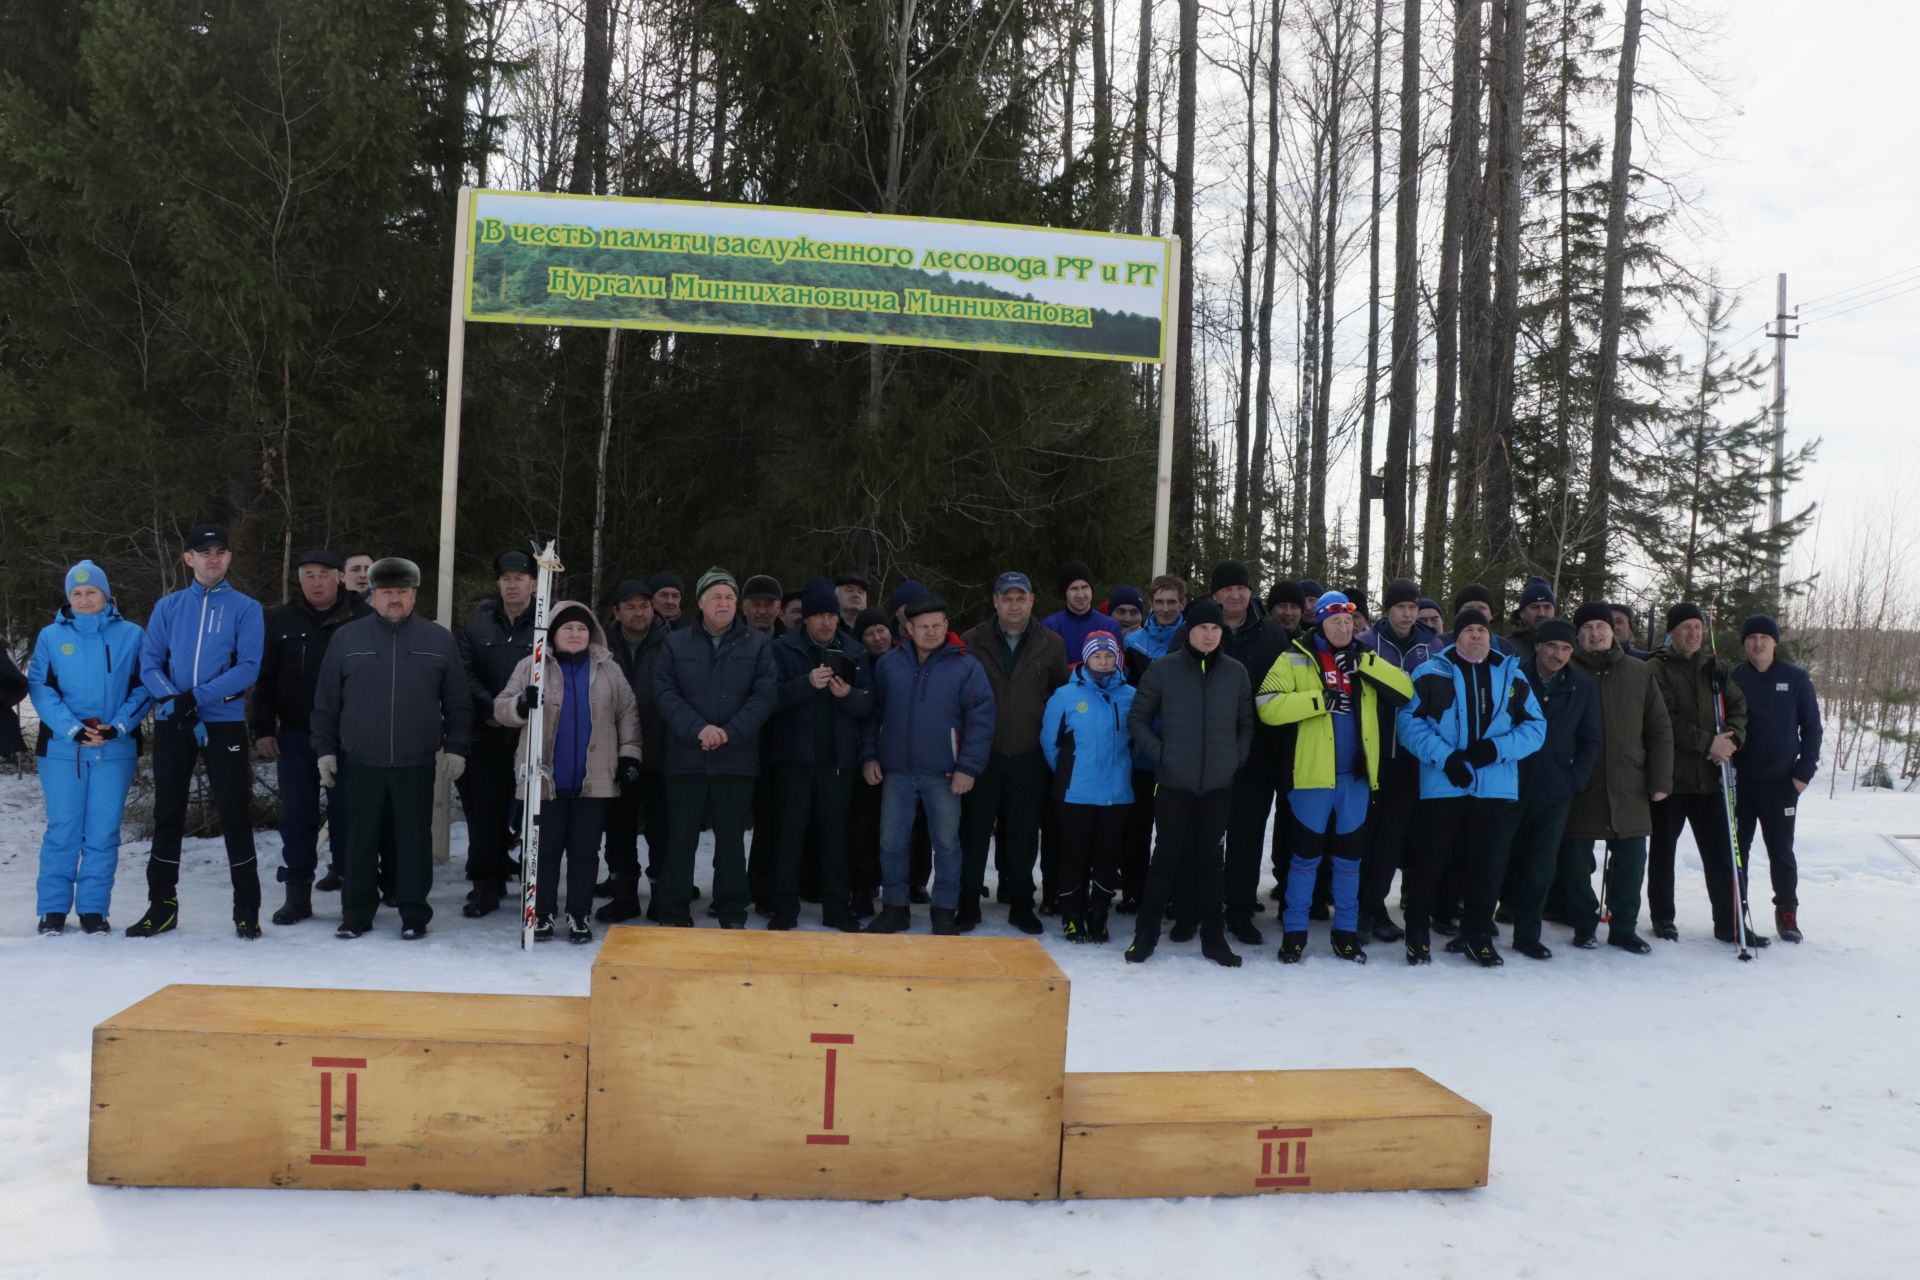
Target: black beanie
x=1074, y=571
x=1760, y=625
x=1308, y=587
x=1470, y=617
x=1286, y=591
x=1554, y=629
x=572, y=613
x=1473, y=593
x=1202, y=612
x=1228, y=573
x=1593, y=611
x=1402, y=591
x=1685, y=611
x=869, y=619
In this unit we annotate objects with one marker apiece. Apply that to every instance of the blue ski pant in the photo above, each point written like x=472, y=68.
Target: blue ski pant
x=1328, y=821
x=81, y=849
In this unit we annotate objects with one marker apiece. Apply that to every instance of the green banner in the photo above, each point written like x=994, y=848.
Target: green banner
x=809, y=273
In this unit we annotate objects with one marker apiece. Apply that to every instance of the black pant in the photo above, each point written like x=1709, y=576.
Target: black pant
x=1189, y=827
x=486, y=796
x=1462, y=832
x=1091, y=836
x=1255, y=788
x=1394, y=805
x=570, y=828
x=229, y=764
x=641, y=807
x=1706, y=813
x=695, y=800
x=374, y=796
x=1136, y=847
x=764, y=849
x=1771, y=804
x=1009, y=793
x=813, y=797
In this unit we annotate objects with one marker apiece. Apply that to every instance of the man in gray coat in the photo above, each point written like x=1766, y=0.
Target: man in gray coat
x=392, y=694
x=1193, y=717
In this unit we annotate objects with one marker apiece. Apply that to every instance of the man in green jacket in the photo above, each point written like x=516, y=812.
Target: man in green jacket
x=1635, y=771
x=1709, y=714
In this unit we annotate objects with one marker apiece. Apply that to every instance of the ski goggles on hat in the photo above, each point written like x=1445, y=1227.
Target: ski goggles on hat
x=1100, y=642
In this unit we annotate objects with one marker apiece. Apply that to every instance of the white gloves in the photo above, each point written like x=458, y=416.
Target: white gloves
x=456, y=765
x=329, y=770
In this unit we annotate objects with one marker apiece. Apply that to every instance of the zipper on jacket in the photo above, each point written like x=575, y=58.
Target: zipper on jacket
x=199, y=637
x=393, y=692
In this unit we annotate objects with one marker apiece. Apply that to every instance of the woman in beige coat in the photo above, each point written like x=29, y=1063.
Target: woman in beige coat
x=591, y=754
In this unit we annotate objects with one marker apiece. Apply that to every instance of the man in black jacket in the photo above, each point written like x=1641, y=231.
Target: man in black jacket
x=496, y=637
x=1255, y=642
x=715, y=685
x=392, y=694
x=634, y=639
x=814, y=746
x=280, y=718
x=1203, y=702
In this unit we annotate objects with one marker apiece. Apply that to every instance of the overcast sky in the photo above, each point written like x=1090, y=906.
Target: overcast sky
x=1819, y=176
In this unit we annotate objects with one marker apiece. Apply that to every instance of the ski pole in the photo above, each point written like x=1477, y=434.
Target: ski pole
x=1743, y=919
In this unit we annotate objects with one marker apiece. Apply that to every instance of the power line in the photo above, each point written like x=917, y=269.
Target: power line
x=1822, y=300
x=1872, y=302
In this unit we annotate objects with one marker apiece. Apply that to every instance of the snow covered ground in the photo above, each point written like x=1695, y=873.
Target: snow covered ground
x=1678, y=1114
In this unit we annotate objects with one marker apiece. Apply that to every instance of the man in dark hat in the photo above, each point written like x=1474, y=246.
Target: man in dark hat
x=1399, y=638
x=760, y=604
x=392, y=694
x=280, y=717
x=635, y=639
x=790, y=615
x=852, y=588
x=1079, y=619
x=492, y=642
x=1256, y=643
x=1777, y=761
x=200, y=656
x=1709, y=714
x=826, y=694
x=1286, y=605
x=1537, y=604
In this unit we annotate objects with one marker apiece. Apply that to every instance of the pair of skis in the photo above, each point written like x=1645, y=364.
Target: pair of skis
x=534, y=769
x=1743, y=922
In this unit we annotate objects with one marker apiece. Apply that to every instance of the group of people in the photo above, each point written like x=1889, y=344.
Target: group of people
x=1141, y=755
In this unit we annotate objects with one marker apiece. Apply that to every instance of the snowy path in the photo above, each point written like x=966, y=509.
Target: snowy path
x=1679, y=1114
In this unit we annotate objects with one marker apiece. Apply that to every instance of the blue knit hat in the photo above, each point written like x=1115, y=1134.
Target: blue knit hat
x=1124, y=594
x=1098, y=641
x=88, y=574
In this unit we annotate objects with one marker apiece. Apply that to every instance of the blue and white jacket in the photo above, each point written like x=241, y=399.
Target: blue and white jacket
x=1441, y=720
x=1084, y=737
x=209, y=642
x=86, y=666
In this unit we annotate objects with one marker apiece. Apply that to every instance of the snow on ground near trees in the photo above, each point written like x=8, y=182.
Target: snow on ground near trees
x=1678, y=1114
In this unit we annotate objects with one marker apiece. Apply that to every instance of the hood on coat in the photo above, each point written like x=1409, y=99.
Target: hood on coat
x=596, y=634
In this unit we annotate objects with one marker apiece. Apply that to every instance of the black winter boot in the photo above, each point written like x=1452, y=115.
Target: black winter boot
x=943, y=922
x=622, y=904
x=1786, y=923
x=483, y=901
x=891, y=920
x=1419, y=946
x=1485, y=954
x=1020, y=915
x=161, y=917
x=94, y=922
x=1097, y=921
x=1349, y=946
x=1244, y=932
x=1664, y=930
x=1381, y=928
x=54, y=922
x=1292, y=947
x=1213, y=945
x=299, y=903
x=329, y=883
x=1183, y=930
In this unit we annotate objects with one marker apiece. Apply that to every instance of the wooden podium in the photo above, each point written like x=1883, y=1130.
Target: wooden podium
x=1223, y=1133
x=824, y=1066
x=276, y=1087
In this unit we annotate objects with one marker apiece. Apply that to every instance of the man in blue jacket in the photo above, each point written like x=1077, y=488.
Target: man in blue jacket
x=1777, y=761
x=1472, y=718
x=924, y=745
x=200, y=656
x=1079, y=619
x=1530, y=831
x=715, y=685
x=826, y=694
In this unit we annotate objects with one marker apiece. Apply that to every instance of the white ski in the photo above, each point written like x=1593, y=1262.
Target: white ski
x=533, y=769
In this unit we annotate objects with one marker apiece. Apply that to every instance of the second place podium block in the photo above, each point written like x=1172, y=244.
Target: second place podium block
x=752, y=1064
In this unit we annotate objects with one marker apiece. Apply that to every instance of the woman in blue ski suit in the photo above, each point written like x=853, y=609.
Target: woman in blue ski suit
x=84, y=679
x=1084, y=736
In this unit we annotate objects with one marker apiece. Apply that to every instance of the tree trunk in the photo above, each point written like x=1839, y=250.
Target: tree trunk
x=1508, y=134
x=1069, y=81
x=1102, y=118
x=1402, y=380
x=1329, y=269
x=1142, y=90
x=1181, y=538
x=1612, y=293
x=596, y=70
x=1476, y=350
x=1242, y=405
x=1263, y=394
x=1363, y=569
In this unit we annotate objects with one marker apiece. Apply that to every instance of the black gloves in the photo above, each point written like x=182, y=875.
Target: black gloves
x=107, y=732
x=529, y=699
x=627, y=773
x=1457, y=771
x=1480, y=753
x=182, y=709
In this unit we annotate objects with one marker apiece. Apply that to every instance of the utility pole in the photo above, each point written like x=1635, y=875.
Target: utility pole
x=1776, y=499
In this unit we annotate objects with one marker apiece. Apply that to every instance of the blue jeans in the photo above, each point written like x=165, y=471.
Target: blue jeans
x=81, y=849
x=934, y=792
x=298, y=773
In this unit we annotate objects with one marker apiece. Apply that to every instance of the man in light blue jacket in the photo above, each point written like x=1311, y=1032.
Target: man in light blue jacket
x=201, y=655
x=84, y=678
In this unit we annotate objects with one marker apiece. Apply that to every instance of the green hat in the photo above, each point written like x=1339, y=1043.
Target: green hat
x=714, y=577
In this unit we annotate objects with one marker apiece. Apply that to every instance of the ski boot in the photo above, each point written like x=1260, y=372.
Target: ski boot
x=54, y=922
x=1349, y=946
x=543, y=928
x=94, y=922
x=161, y=917
x=1292, y=947
x=1485, y=954
x=579, y=931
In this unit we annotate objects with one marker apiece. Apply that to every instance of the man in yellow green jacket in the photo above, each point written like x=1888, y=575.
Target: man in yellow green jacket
x=1332, y=687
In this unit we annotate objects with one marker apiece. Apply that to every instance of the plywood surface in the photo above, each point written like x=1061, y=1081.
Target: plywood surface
x=851, y=955
x=404, y=1014
x=1173, y=1097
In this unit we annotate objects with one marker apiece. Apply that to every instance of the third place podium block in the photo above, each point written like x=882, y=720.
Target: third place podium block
x=751, y=1064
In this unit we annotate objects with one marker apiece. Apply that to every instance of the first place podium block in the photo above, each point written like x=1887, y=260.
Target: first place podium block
x=750, y=1064
x=1224, y=1133
x=345, y=1090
